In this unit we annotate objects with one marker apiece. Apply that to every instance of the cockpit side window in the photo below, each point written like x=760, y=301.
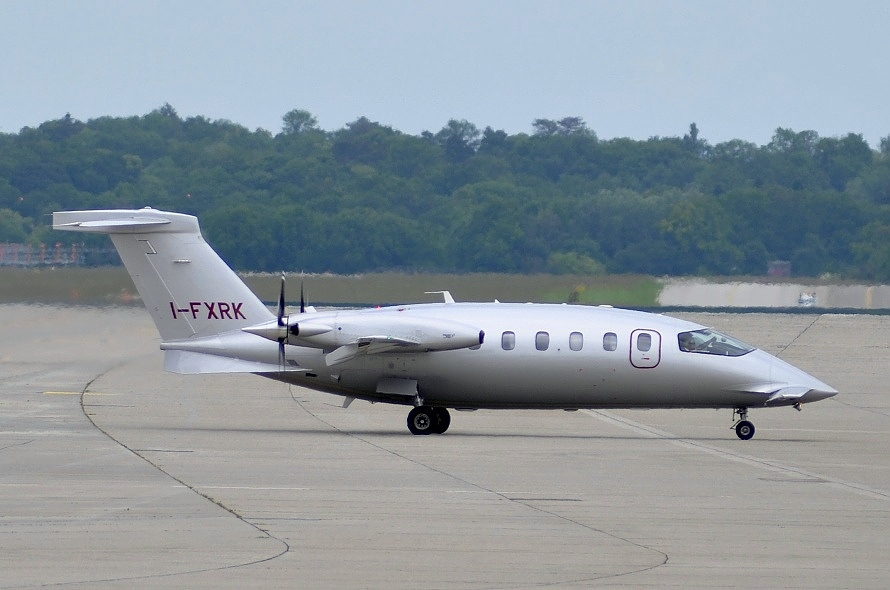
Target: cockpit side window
x=707, y=341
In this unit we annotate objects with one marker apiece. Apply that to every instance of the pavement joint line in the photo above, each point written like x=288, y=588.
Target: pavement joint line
x=662, y=557
x=765, y=464
x=92, y=393
x=257, y=488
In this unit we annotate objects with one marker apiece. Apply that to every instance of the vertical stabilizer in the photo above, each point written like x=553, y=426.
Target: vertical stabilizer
x=188, y=289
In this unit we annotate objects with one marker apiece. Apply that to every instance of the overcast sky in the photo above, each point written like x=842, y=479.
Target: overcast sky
x=630, y=68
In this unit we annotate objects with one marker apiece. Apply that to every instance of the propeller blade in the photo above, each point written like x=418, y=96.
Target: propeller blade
x=281, y=303
x=282, y=360
x=302, y=299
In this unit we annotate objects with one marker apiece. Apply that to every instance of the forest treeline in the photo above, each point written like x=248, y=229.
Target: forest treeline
x=464, y=199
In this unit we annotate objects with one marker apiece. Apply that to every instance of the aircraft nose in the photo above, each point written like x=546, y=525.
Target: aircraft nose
x=817, y=389
x=795, y=386
x=819, y=393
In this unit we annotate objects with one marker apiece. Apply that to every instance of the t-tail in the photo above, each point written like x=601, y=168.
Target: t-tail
x=197, y=302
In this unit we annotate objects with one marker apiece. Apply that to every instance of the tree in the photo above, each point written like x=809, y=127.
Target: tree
x=702, y=233
x=872, y=251
x=789, y=160
x=13, y=227
x=692, y=142
x=459, y=138
x=565, y=126
x=494, y=142
x=369, y=197
x=545, y=127
x=843, y=159
x=298, y=121
x=487, y=228
x=363, y=141
x=787, y=141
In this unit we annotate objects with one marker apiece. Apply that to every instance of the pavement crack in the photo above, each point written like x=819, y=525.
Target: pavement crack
x=799, y=335
x=285, y=547
x=19, y=444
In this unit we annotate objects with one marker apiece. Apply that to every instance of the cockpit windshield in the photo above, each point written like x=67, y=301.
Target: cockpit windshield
x=707, y=341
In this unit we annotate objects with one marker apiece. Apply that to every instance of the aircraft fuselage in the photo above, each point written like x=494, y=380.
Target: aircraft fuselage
x=552, y=356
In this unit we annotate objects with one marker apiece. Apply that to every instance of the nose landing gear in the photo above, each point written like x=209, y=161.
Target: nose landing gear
x=743, y=429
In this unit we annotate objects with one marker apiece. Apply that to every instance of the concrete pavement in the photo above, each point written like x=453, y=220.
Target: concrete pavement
x=116, y=474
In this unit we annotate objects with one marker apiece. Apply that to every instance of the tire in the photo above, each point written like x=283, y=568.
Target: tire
x=744, y=430
x=422, y=420
x=443, y=420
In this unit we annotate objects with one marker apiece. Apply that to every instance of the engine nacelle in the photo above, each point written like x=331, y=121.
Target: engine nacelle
x=414, y=333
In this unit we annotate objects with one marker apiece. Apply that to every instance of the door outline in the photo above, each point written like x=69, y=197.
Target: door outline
x=645, y=359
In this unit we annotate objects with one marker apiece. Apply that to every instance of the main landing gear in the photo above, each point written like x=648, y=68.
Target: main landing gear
x=743, y=428
x=428, y=420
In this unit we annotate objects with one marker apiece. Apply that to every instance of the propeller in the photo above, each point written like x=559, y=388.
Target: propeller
x=282, y=323
x=302, y=299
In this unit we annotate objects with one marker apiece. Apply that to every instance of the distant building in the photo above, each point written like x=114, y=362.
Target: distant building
x=26, y=255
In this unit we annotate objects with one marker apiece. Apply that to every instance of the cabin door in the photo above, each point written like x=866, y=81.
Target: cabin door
x=645, y=349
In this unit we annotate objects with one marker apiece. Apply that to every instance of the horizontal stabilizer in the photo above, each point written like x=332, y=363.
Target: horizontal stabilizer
x=112, y=225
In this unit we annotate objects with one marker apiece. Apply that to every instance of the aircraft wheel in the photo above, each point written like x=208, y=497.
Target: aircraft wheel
x=443, y=420
x=744, y=430
x=422, y=420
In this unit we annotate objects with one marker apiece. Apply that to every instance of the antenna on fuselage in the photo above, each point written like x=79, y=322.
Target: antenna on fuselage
x=445, y=294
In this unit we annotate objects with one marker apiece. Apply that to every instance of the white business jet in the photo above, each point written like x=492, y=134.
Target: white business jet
x=436, y=356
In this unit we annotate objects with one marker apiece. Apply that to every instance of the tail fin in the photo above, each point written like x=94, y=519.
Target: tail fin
x=188, y=289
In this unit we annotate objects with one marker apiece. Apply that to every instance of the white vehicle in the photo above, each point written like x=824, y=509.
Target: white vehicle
x=436, y=356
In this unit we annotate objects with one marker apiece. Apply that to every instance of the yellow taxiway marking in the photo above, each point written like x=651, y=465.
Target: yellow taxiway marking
x=75, y=393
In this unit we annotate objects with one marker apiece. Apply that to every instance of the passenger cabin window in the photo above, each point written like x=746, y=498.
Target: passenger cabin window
x=644, y=342
x=508, y=340
x=542, y=340
x=576, y=341
x=712, y=342
x=610, y=341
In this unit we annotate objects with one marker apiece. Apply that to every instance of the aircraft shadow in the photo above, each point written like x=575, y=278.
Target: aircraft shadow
x=331, y=432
